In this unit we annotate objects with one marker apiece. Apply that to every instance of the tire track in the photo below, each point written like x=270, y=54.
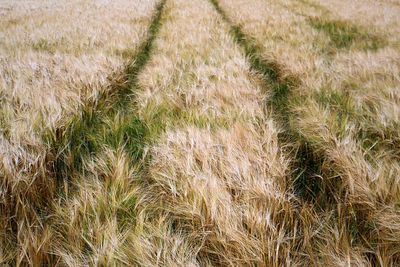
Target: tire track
x=107, y=120
x=350, y=186
x=307, y=166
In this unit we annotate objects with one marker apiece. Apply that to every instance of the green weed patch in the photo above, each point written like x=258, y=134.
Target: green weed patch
x=344, y=34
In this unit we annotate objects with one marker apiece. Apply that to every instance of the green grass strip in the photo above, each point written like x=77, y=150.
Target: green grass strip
x=307, y=165
x=109, y=120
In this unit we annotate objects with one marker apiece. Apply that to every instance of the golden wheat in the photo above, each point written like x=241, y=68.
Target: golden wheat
x=211, y=190
x=345, y=106
x=200, y=133
x=53, y=57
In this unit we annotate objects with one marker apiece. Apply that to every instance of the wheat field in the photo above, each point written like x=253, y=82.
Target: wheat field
x=200, y=133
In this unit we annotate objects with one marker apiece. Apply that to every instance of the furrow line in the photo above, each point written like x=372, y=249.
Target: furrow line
x=306, y=166
x=346, y=75
x=107, y=120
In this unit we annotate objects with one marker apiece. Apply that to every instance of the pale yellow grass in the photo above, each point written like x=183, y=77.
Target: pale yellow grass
x=212, y=194
x=213, y=176
x=90, y=225
x=54, y=56
x=383, y=14
x=358, y=134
